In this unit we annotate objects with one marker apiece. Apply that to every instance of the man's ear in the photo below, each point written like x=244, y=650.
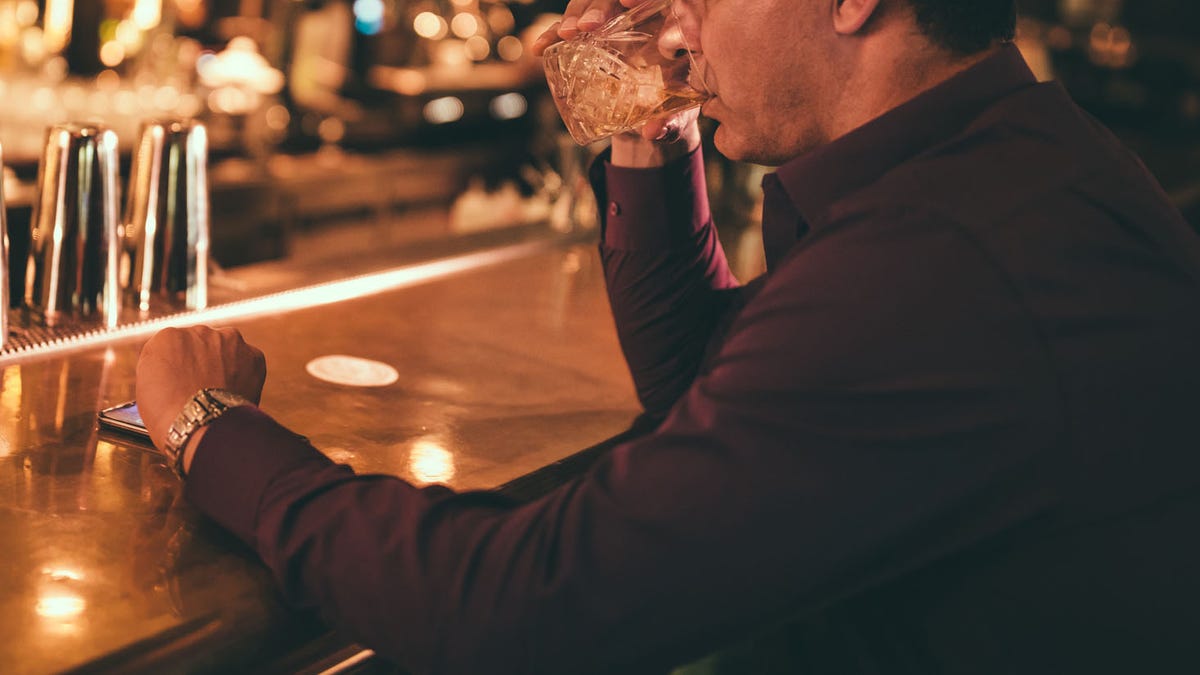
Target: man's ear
x=849, y=16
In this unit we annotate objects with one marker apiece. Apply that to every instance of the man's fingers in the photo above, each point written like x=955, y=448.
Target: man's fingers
x=594, y=17
x=547, y=38
x=585, y=15
x=165, y=335
x=568, y=27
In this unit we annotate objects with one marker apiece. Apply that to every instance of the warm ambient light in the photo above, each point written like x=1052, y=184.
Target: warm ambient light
x=464, y=25
x=240, y=65
x=128, y=35
x=26, y=13
x=508, y=106
x=500, y=19
x=112, y=53
x=444, y=110
x=430, y=462
x=62, y=573
x=510, y=48
x=430, y=25
x=147, y=13
x=10, y=399
x=59, y=604
x=57, y=24
x=477, y=47
x=408, y=81
x=352, y=371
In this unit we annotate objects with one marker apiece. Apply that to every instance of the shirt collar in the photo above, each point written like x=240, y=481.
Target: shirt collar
x=815, y=180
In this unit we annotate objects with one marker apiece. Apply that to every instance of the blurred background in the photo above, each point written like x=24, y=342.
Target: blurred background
x=1135, y=65
x=344, y=126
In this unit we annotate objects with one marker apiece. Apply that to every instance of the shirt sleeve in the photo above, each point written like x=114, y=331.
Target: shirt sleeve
x=862, y=419
x=667, y=278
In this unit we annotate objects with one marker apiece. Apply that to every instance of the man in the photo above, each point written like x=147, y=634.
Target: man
x=953, y=428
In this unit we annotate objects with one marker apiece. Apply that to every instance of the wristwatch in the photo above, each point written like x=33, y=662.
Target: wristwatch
x=206, y=406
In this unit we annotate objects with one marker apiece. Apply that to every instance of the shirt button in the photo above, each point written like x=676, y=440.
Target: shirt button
x=614, y=209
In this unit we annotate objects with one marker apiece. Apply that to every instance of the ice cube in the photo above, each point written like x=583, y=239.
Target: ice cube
x=649, y=91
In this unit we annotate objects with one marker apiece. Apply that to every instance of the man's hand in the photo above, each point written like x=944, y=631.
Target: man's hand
x=579, y=16
x=658, y=141
x=176, y=363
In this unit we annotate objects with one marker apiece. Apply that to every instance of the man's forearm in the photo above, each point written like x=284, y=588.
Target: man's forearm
x=664, y=268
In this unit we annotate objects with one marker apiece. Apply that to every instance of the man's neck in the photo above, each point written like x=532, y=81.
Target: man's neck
x=887, y=82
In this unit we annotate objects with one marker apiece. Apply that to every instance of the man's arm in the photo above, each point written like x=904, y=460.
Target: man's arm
x=667, y=278
x=864, y=418
x=663, y=262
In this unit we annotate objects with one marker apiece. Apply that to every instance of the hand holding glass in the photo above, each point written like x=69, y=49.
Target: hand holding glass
x=631, y=70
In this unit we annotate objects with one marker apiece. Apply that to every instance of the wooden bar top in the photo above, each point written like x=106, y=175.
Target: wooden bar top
x=503, y=369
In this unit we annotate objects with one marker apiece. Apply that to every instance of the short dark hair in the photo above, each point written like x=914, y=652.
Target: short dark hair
x=966, y=26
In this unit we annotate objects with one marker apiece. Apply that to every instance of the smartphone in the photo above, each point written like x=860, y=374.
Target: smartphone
x=124, y=418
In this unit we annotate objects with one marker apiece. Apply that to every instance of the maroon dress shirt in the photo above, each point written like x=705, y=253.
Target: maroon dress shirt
x=954, y=429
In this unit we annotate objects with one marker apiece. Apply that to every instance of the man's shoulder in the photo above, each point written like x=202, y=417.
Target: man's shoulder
x=1032, y=166
x=1012, y=156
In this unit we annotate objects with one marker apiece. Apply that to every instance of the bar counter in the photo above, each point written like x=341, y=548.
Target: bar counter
x=508, y=366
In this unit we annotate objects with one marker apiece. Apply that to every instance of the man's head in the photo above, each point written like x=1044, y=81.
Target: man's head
x=791, y=75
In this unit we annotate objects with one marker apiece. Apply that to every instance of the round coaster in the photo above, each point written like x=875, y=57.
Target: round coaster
x=352, y=371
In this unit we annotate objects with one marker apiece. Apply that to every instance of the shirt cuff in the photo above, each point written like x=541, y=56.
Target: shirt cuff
x=651, y=208
x=242, y=452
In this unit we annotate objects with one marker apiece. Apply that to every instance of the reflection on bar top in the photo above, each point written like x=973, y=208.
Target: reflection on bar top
x=286, y=301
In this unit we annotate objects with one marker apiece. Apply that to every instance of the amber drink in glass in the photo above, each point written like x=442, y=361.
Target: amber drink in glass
x=620, y=76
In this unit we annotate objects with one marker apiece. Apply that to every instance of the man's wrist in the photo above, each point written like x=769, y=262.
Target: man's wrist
x=633, y=151
x=201, y=410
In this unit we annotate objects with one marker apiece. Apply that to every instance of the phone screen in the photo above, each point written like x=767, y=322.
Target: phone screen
x=124, y=417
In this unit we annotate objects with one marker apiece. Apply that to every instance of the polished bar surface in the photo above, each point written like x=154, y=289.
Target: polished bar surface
x=84, y=335
x=503, y=369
